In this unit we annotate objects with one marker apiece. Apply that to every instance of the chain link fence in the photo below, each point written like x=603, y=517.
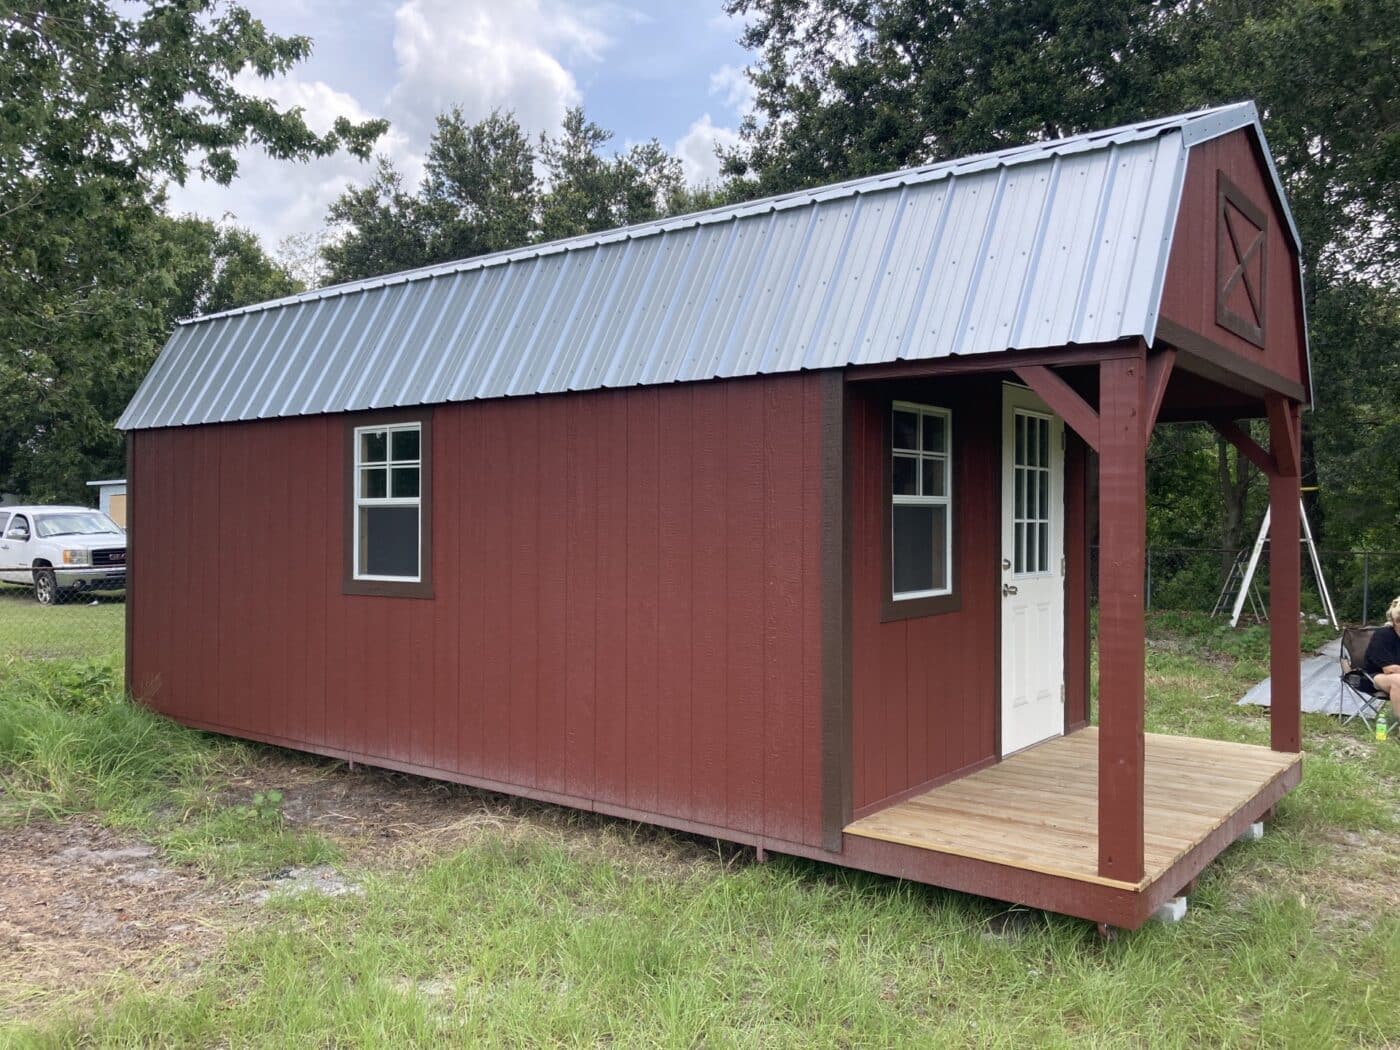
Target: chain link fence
x=1207, y=579
x=86, y=625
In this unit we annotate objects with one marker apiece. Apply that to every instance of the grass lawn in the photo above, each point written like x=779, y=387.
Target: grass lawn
x=475, y=919
x=76, y=630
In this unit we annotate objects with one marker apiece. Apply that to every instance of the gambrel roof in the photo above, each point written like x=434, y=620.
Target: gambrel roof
x=1044, y=245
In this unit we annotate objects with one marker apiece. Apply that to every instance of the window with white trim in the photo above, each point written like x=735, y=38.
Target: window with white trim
x=921, y=492
x=388, y=524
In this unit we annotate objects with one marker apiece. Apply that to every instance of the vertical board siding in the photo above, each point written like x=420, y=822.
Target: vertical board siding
x=1189, y=293
x=1077, y=566
x=924, y=690
x=626, y=610
x=744, y=572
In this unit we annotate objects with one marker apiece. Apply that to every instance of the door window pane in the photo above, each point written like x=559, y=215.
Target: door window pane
x=1031, y=486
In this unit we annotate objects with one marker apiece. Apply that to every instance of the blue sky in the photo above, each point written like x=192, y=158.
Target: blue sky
x=643, y=69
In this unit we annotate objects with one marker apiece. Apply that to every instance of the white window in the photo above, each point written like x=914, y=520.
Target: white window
x=1032, y=518
x=921, y=491
x=388, y=502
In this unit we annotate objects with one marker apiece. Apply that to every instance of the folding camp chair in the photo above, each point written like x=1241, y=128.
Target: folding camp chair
x=1355, y=681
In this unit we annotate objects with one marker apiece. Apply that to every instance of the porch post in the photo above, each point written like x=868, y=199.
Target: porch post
x=1122, y=537
x=1285, y=567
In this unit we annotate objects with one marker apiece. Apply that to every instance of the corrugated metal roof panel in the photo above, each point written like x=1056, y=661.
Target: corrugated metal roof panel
x=1038, y=246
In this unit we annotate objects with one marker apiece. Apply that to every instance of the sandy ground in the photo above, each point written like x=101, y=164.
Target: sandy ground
x=84, y=908
x=81, y=906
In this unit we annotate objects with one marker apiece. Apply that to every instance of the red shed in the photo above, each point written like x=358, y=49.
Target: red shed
x=768, y=523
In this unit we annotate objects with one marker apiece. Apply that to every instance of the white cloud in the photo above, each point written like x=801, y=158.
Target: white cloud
x=724, y=22
x=696, y=149
x=277, y=197
x=477, y=54
x=486, y=54
x=733, y=85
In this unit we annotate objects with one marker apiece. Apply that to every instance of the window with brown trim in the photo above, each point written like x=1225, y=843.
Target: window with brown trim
x=388, y=522
x=919, y=524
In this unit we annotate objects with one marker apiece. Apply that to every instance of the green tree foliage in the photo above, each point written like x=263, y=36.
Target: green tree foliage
x=585, y=191
x=102, y=105
x=853, y=87
x=850, y=87
x=61, y=394
x=486, y=188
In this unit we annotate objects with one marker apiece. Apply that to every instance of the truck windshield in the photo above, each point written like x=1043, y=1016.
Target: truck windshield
x=75, y=523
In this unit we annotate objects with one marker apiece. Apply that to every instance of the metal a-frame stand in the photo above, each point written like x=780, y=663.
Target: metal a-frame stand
x=1247, y=582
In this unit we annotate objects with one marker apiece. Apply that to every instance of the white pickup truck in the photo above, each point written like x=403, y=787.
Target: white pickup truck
x=61, y=550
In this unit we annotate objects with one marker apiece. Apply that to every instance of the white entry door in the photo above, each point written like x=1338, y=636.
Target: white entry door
x=1033, y=571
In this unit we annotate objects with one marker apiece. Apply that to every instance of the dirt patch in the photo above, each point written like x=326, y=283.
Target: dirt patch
x=80, y=904
x=295, y=882
x=1350, y=879
x=83, y=908
x=381, y=818
x=1357, y=881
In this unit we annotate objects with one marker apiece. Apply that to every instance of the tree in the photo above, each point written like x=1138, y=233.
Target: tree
x=172, y=269
x=219, y=267
x=300, y=256
x=99, y=108
x=479, y=185
x=852, y=87
x=376, y=228
x=486, y=189
x=588, y=192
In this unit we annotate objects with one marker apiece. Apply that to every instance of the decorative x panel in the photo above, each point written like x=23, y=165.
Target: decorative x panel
x=1241, y=263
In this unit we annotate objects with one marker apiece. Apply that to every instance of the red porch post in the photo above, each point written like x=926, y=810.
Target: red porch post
x=1122, y=538
x=1285, y=568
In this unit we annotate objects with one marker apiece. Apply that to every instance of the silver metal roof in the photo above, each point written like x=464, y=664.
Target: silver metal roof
x=1039, y=246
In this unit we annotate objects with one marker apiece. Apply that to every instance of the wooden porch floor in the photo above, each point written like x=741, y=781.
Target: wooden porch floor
x=1038, y=809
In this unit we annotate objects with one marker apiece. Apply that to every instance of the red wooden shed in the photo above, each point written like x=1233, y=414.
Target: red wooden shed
x=769, y=523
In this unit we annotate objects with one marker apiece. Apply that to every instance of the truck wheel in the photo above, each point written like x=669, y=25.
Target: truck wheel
x=46, y=587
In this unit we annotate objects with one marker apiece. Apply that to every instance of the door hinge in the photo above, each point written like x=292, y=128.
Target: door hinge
x=1062, y=564
x=1062, y=694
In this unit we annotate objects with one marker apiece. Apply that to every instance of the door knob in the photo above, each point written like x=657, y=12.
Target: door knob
x=1008, y=589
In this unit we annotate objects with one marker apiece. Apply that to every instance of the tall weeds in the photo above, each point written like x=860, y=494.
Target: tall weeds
x=70, y=741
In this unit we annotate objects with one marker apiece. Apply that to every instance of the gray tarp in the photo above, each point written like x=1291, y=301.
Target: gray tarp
x=1322, y=687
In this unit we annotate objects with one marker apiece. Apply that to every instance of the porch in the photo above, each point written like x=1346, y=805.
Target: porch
x=1034, y=816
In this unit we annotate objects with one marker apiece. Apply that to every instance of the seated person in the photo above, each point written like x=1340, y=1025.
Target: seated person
x=1382, y=661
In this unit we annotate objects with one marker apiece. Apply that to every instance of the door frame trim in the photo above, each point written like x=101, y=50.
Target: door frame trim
x=1063, y=533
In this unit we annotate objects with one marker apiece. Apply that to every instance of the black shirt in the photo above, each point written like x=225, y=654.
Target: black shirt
x=1383, y=650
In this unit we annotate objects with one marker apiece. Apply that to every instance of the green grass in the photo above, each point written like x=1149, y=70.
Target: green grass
x=536, y=943
x=597, y=933
x=71, y=743
x=76, y=630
